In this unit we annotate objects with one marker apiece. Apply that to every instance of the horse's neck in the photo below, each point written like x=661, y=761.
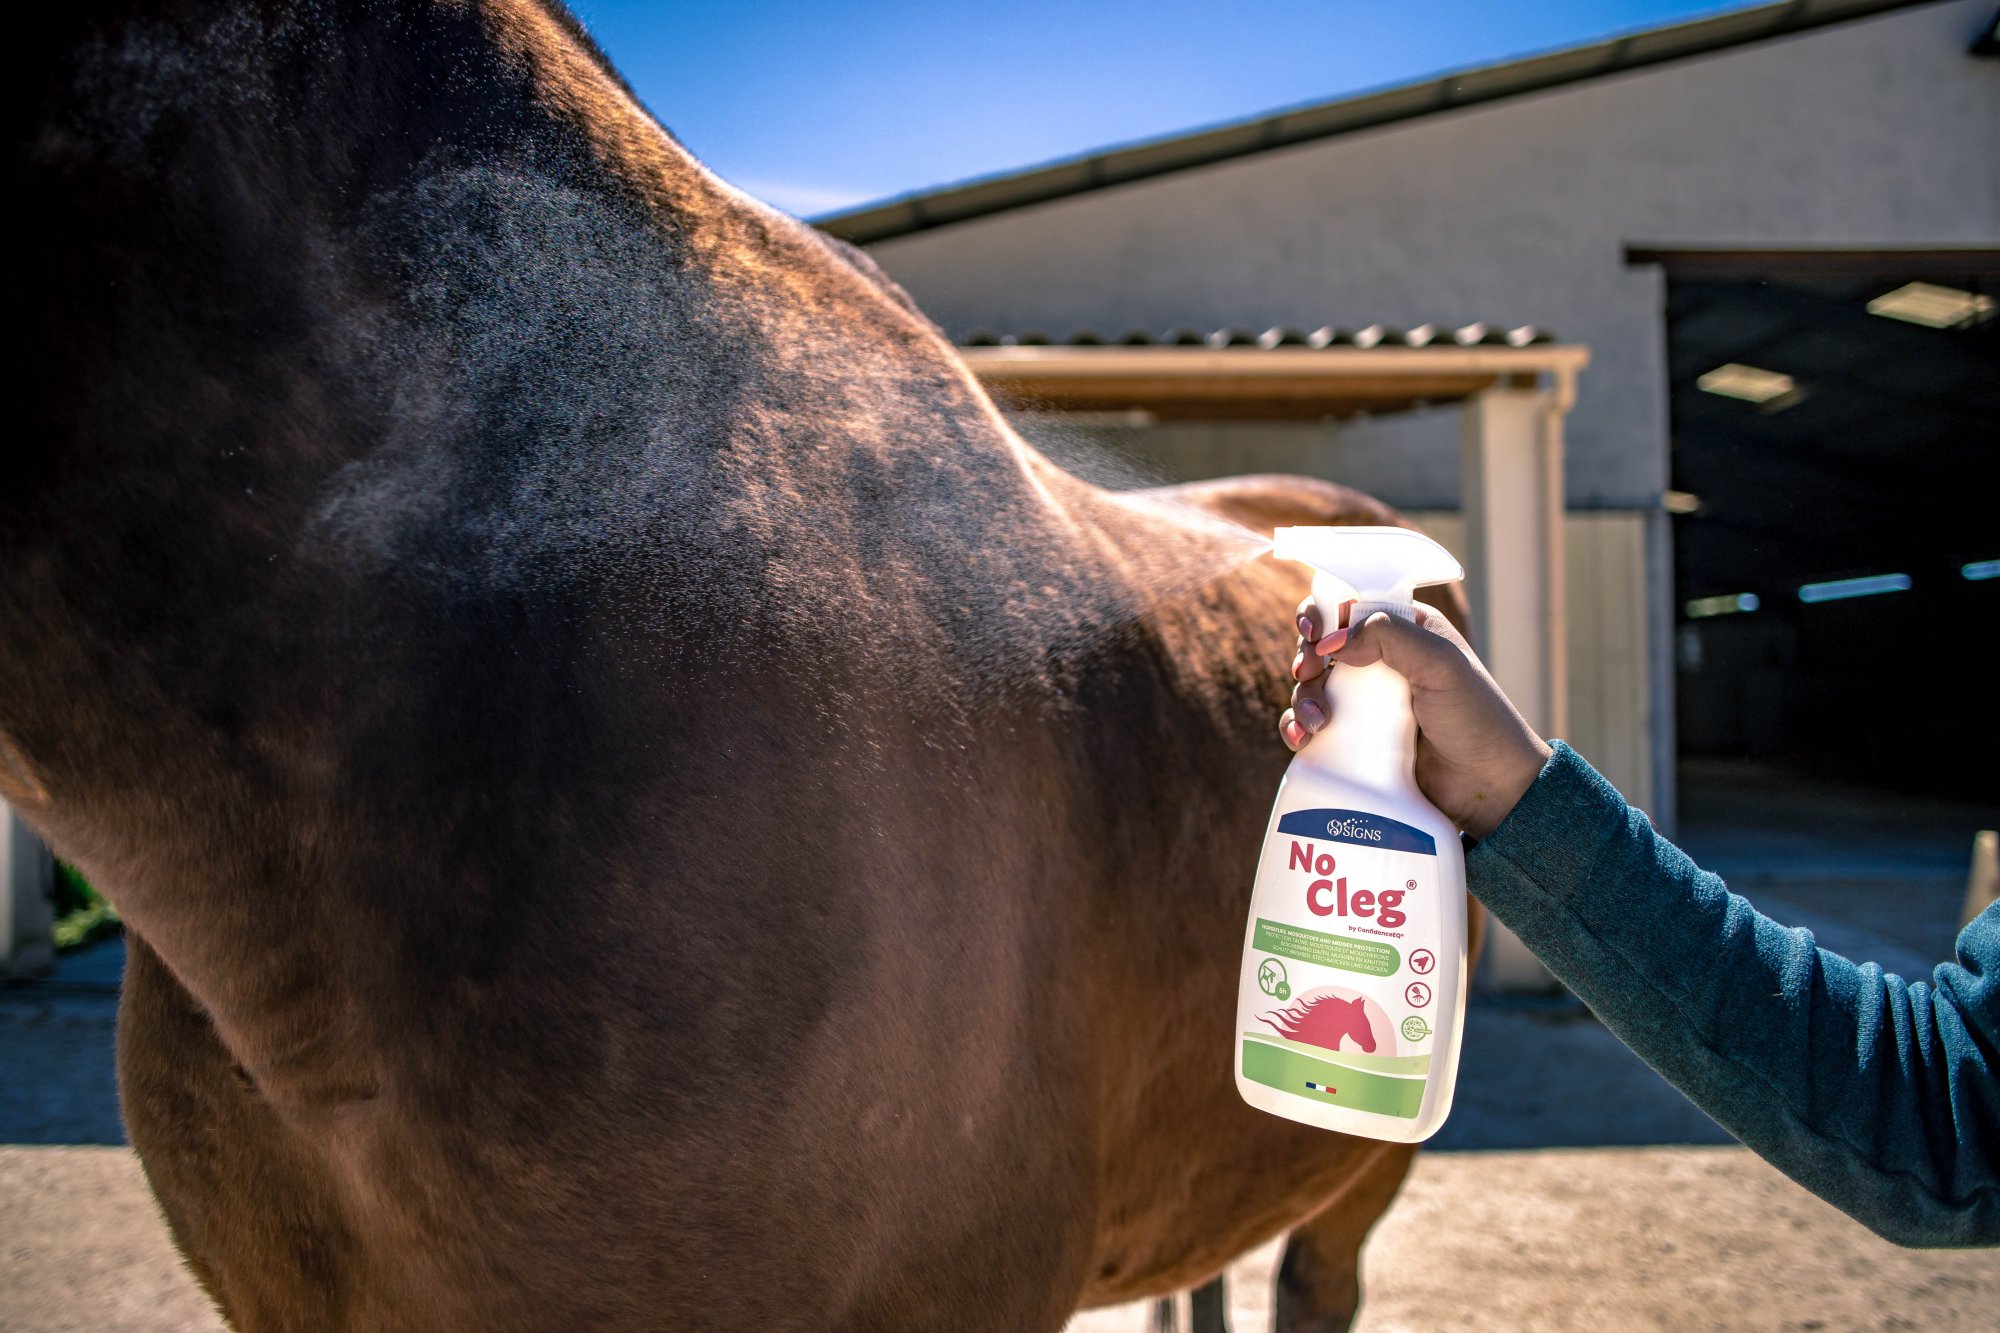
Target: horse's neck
x=355, y=326
x=223, y=368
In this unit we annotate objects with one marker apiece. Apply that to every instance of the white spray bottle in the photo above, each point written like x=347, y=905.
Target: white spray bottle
x=1353, y=986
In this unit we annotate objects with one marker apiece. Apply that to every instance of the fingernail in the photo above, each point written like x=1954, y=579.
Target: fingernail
x=1294, y=734
x=1298, y=666
x=1308, y=714
x=1332, y=643
x=1305, y=627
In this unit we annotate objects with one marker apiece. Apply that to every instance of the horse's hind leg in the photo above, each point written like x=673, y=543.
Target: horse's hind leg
x=1319, y=1279
x=1208, y=1310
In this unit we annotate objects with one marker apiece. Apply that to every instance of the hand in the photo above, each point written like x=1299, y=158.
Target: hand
x=1476, y=756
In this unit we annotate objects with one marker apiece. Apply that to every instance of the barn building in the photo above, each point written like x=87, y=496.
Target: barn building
x=1774, y=237
x=1776, y=233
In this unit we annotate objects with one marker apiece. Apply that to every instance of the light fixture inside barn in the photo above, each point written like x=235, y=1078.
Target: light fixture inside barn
x=1933, y=306
x=1749, y=383
x=1701, y=608
x=1869, y=585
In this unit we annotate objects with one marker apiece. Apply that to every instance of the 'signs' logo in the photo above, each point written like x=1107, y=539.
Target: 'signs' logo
x=1352, y=828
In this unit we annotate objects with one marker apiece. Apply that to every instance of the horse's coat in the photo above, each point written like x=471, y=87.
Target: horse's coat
x=638, y=799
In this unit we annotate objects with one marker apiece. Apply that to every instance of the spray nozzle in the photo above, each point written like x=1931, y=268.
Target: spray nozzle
x=1382, y=566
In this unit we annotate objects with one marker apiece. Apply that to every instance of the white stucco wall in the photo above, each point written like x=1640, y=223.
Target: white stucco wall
x=1880, y=132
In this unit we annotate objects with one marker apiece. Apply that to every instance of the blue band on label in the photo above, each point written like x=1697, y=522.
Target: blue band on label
x=1359, y=828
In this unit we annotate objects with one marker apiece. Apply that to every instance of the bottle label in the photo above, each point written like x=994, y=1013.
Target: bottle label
x=1339, y=1007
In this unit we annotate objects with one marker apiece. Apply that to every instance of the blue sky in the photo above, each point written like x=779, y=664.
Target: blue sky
x=817, y=107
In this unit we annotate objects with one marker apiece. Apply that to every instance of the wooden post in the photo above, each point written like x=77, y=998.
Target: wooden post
x=1982, y=881
x=1511, y=456
x=1511, y=461
x=27, y=900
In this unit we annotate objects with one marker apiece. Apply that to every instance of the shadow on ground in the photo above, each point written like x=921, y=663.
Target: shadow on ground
x=56, y=1044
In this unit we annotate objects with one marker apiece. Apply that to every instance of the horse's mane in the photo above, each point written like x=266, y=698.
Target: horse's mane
x=560, y=14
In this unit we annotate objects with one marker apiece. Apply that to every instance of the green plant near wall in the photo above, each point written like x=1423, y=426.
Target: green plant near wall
x=82, y=916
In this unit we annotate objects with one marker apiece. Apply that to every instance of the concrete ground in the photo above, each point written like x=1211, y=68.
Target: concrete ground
x=1550, y=1239
x=1603, y=1240
x=82, y=1248
x=1596, y=1200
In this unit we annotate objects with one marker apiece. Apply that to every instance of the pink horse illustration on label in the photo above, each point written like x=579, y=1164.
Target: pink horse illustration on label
x=1322, y=1020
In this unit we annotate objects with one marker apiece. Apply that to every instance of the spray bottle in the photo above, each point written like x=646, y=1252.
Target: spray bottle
x=1352, y=992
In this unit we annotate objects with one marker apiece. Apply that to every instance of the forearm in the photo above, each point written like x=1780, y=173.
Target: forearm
x=1877, y=1095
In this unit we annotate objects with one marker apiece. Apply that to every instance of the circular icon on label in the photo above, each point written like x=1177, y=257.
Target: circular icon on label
x=1271, y=979
x=1417, y=993
x=1422, y=962
x=1415, y=1029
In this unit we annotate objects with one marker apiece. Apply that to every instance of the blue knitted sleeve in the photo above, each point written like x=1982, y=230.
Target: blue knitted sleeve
x=1875, y=1093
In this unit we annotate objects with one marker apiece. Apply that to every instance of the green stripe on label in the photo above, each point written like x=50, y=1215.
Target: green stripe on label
x=1418, y=1065
x=1316, y=946
x=1288, y=1071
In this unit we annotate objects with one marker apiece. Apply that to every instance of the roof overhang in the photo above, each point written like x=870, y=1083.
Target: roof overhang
x=985, y=196
x=1819, y=262
x=1251, y=383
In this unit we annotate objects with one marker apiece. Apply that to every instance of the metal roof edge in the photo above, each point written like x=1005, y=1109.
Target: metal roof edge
x=984, y=196
x=1819, y=261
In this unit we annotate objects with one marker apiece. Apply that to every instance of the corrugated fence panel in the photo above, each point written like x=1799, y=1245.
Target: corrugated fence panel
x=1606, y=572
x=1607, y=648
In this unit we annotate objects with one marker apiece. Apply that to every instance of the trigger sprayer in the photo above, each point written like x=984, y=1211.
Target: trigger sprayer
x=1381, y=567
x=1352, y=990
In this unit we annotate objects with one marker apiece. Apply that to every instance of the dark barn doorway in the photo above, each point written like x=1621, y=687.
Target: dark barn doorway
x=1835, y=453
x=1838, y=524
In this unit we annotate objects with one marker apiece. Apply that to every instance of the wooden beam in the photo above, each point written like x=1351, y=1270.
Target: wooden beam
x=1248, y=383
x=1245, y=397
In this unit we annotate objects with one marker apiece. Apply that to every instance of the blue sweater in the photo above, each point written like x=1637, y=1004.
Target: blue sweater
x=1877, y=1094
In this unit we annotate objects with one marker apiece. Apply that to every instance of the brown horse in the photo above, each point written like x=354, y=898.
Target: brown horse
x=638, y=800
